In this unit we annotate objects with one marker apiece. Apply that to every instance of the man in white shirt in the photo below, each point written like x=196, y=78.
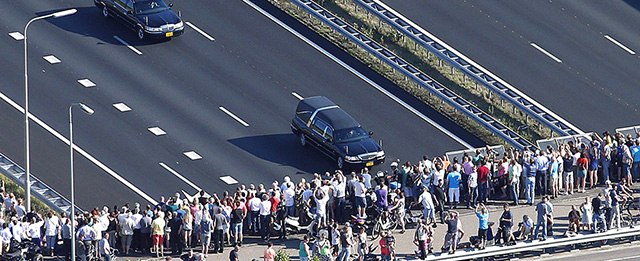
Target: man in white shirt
x=289, y=198
x=265, y=217
x=52, y=228
x=360, y=193
x=17, y=229
x=5, y=238
x=339, y=184
x=105, y=248
x=427, y=202
x=254, y=212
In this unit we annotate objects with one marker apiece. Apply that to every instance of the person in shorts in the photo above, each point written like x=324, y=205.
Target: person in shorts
x=157, y=232
x=237, y=218
x=450, y=238
x=385, y=253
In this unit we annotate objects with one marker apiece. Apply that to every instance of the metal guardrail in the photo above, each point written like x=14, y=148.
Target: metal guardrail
x=633, y=130
x=556, y=142
x=493, y=251
x=472, y=152
x=469, y=68
x=414, y=74
x=42, y=191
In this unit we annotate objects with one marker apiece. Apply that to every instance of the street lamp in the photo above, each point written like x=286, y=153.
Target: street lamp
x=88, y=111
x=26, y=101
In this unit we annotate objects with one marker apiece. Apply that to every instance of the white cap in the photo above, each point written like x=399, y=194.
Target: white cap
x=394, y=164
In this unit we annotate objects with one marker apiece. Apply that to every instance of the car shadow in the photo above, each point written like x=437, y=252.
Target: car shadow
x=89, y=22
x=285, y=149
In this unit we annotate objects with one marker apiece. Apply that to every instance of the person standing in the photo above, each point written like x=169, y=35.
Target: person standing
x=483, y=226
x=237, y=218
x=265, y=217
x=453, y=180
x=567, y=165
x=175, y=235
x=206, y=227
x=360, y=194
x=52, y=228
x=543, y=210
x=483, y=184
x=157, y=233
x=254, y=212
x=515, y=170
x=346, y=240
x=450, y=239
x=339, y=192
x=126, y=232
x=598, y=216
x=531, y=181
x=219, y=221
x=105, y=248
x=472, y=184
x=427, y=202
x=587, y=214
x=304, y=252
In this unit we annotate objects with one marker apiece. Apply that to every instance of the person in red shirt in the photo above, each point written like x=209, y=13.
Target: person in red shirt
x=275, y=200
x=483, y=184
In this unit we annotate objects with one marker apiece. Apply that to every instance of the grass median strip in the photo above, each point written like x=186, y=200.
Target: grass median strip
x=425, y=61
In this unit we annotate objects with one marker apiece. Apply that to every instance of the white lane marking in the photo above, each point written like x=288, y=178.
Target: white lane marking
x=121, y=107
x=192, y=155
x=86, y=83
x=51, y=59
x=80, y=150
x=200, y=31
x=360, y=75
x=545, y=52
x=295, y=94
x=180, y=176
x=229, y=180
x=223, y=109
x=17, y=36
x=619, y=44
x=128, y=45
x=464, y=57
x=157, y=131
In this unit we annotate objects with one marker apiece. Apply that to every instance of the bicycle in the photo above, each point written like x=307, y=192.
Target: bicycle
x=384, y=221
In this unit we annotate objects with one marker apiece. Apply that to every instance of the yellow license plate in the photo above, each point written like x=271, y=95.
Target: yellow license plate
x=369, y=164
x=169, y=34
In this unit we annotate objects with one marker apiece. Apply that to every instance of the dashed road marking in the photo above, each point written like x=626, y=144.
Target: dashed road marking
x=627, y=49
x=295, y=94
x=128, y=45
x=223, y=109
x=545, y=52
x=17, y=36
x=192, y=155
x=358, y=74
x=229, y=180
x=175, y=173
x=121, y=107
x=80, y=150
x=86, y=83
x=157, y=131
x=51, y=59
x=200, y=31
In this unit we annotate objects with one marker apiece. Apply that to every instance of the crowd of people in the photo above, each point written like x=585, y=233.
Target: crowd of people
x=338, y=206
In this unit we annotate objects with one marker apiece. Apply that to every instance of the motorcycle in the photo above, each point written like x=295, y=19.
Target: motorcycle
x=285, y=224
x=25, y=250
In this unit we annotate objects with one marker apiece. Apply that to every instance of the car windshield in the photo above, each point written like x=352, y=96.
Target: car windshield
x=150, y=7
x=351, y=134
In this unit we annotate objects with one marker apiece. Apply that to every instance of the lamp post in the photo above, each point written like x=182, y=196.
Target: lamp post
x=26, y=101
x=88, y=111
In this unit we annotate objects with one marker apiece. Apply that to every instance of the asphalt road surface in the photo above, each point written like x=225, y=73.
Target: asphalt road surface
x=594, y=86
x=202, y=94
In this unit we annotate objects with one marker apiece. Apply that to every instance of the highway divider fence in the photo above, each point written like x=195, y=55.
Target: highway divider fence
x=411, y=72
x=469, y=68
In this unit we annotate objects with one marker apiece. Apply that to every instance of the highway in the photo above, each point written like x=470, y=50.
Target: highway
x=229, y=101
x=577, y=58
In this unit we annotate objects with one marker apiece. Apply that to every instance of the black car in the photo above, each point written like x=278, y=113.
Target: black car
x=150, y=18
x=323, y=124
